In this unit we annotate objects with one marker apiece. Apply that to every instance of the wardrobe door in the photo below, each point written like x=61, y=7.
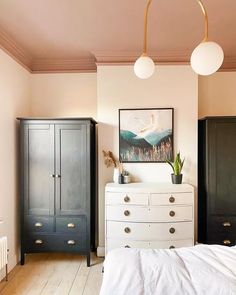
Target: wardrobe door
x=72, y=169
x=39, y=169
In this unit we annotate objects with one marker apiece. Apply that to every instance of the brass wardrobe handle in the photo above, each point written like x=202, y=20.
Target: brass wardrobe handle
x=38, y=224
x=71, y=225
x=227, y=242
x=71, y=242
x=57, y=175
x=126, y=212
x=226, y=224
x=38, y=242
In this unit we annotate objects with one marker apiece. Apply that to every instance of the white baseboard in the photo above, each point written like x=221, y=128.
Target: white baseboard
x=101, y=251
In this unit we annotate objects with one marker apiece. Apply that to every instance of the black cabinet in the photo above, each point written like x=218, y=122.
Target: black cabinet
x=217, y=181
x=58, y=185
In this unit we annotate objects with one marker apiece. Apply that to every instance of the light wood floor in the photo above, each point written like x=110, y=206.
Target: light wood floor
x=59, y=274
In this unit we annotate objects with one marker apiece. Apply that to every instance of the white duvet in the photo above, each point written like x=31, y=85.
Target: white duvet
x=203, y=269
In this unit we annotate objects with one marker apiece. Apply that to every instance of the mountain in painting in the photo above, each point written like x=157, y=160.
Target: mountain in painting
x=130, y=139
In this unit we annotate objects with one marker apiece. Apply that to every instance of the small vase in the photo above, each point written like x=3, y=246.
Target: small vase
x=116, y=174
x=176, y=179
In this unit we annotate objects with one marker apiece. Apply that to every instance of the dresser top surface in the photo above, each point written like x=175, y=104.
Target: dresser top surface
x=145, y=187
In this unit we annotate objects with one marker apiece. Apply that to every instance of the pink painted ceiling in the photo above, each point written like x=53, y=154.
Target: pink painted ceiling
x=53, y=32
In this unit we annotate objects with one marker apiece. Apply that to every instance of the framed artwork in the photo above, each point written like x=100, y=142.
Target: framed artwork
x=146, y=135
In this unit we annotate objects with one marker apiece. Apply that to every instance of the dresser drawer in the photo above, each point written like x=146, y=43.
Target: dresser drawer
x=149, y=214
x=150, y=231
x=114, y=243
x=44, y=243
x=171, y=244
x=126, y=198
x=71, y=224
x=175, y=199
x=39, y=224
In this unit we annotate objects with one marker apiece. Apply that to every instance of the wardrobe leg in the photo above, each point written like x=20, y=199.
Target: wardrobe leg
x=88, y=260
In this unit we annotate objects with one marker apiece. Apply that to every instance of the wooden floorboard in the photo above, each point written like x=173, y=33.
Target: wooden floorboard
x=57, y=274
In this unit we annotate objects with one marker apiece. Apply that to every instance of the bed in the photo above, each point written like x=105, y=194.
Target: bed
x=198, y=270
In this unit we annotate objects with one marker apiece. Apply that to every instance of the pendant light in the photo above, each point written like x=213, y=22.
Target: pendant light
x=206, y=58
x=144, y=66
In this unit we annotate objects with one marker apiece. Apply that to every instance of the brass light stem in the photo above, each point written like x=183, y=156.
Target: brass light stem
x=146, y=27
x=206, y=20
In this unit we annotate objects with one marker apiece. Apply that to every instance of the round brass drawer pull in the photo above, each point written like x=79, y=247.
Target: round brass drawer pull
x=126, y=199
x=38, y=224
x=227, y=242
x=171, y=199
x=71, y=242
x=71, y=225
x=172, y=213
x=172, y=230
x=226, y=224
x=127, y=230
x=38, y=242
x=172, y=247
x=126, y=212
x=127, y=246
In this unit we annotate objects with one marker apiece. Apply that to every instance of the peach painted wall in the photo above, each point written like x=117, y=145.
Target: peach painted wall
x=14, y=101
x=62, y=95
x=217, y=95
x=170, y=86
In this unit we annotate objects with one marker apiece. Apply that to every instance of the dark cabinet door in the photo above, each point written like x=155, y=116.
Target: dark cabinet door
x=222, y=165
x=72, y=169
x=39, y=169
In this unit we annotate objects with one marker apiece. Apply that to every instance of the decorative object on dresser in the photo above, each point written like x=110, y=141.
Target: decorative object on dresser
x=216, y=181
x=58, y=185
x=146, y=135
x=148, y=215
x=177, y=166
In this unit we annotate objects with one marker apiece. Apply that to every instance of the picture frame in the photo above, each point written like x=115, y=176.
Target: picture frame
x=146, y=135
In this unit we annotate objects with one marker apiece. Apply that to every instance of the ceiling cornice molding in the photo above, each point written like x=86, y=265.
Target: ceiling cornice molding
x=84, y=65
x=13, y=49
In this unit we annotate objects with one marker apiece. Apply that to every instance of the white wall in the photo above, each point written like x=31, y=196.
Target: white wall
x=62, y=95
x=217, y=94
x=14, y=102
x=171, y=86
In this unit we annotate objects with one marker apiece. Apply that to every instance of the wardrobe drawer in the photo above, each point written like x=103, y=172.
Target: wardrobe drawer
x=44, y=243
x=175, y=199
x=225, y=224
x=226, y=239
x=71, y=224
x=39, y=224
x=150, y=231
x=171, y=244
x=114, y=243
x=126, y=198
x=149, y=214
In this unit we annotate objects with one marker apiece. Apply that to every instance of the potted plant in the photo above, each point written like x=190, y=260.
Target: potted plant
x=177, y=166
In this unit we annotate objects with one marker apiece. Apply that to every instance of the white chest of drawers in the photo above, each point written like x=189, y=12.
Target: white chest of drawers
x=146, y=215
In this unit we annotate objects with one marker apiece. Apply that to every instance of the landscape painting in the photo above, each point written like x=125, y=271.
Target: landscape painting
x=146, y=135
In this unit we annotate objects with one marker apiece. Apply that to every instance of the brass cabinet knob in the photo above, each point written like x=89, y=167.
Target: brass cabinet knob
x=126, y=212
x=172, y=213
x=172, y=247
x=172, y=230
x=57, y=175
x=38, y=224
x=126, y=199
x=226, y=224
x=171, y=199
x=71, y=225
x=227, y=242
x=71, y=242
x=127, y=246
x=38, y=242
x=52, y=175
x=127, y=230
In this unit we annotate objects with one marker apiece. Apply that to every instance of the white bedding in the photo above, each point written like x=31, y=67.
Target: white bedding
x=202, y=269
